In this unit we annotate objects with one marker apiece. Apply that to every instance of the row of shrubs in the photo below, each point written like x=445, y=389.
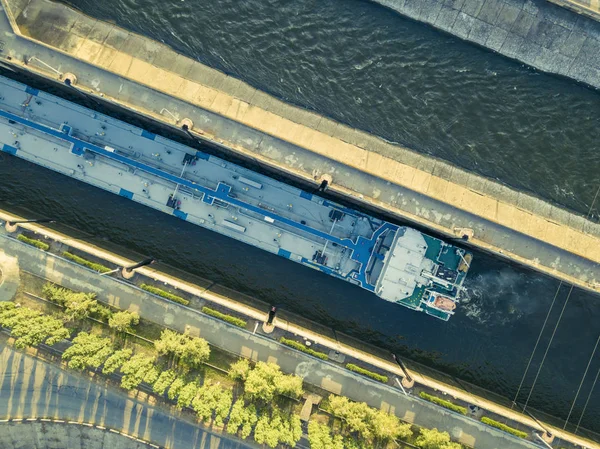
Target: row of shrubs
x=447, y=404
x=366, y=372
x=86, y=263
x=223, y=316
x=164, y=294
x=33, y=242
x=501, y=426
x=300, y=347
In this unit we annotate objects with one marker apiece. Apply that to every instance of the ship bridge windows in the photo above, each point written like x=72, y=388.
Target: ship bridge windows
x=446, y=274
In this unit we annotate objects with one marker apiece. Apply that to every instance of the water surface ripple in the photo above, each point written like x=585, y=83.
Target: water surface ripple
x=366, y=66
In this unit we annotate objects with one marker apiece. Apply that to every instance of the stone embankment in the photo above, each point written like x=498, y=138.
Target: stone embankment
x=149, y=78
x=540, y=34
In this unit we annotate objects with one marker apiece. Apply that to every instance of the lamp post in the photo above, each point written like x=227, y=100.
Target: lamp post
x=407, y=381
x=127, y=272
x=12, y=225
x=547, y=437
x=268, y=326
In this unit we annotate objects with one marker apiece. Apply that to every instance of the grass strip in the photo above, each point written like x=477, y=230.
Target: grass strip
x=33, y=242
x=223, y=316
x=446, y=404
x=300, y=347
x=86, y=263
x=366, y=372
x=164, y=294
x=504, y=427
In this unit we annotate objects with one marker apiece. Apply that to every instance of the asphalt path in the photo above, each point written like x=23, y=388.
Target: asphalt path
x=30, y=387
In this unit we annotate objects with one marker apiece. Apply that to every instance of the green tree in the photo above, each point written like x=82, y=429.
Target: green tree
x=175, y=388
x=369, y=423
x=78, y=306
x=188, y=351
x=264, y=433
x=388, y=427
x=274, y=428
x=30, y=327
x=139, y=368
x=116, y=360
x=212, y=399
x=195, y=352
x=187, y=395
x=434, y=439
x=290, y=385
x=55, y=293
x=101, y=312
x=88, y=351
x=242, y=415
x=163, y=382
x=239, y=370
x=266, y=380
x=123, y=321
x=319, y=436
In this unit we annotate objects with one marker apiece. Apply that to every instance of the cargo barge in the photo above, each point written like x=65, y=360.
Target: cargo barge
x=397, y=263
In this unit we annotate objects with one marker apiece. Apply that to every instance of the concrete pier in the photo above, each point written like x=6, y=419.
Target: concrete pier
x=150, y=79
x=542, y=35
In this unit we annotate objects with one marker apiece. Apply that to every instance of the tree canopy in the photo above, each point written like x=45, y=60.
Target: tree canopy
x=139, y=368
x=30, y=327
x=319, y=437
x=175, y=388
x=266, y=380
x=244, y=416
x=239, y=370
x=434, y=439
x=276, y=427
x=123, y=321
x=164, y=381
x=187, y=395
x=116, y=360
x=188, y=351
x=366, y=422
x=88, y=351
x=78, y=305
x=212, y=399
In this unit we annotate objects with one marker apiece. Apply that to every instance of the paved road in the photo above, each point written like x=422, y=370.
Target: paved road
x=30, y=387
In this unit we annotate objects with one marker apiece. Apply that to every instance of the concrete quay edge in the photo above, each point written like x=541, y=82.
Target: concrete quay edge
x=560, y=37
x=546, y=229
x=261, y=316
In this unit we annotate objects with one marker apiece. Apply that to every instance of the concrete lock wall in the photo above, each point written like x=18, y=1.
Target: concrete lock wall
x=535, y=32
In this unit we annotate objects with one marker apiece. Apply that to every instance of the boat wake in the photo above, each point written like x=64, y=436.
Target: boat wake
x=497, y=298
